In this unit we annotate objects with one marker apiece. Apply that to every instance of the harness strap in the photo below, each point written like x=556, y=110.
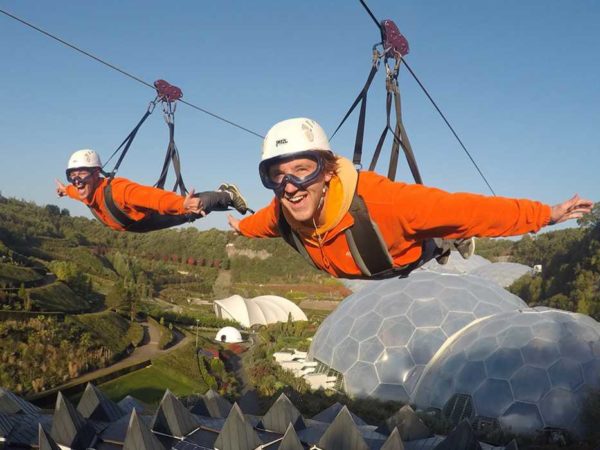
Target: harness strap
x=292, y=238
x=362, y=99
x=365, y=241
x=114, y=211
x=151, y=222
x=127, y=142
x=366, y=244
x=401, y=138
x=172, y=156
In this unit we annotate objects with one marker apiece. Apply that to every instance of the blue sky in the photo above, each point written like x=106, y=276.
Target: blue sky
x=518, y=81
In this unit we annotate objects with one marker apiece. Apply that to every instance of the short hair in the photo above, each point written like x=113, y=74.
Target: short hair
x=330, y=162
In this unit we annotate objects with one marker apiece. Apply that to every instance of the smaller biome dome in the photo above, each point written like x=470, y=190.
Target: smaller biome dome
x=456, y=264
x=502, y=273
x=262, y=310
x=527, y=370
x=380, y=338
x=229, y=335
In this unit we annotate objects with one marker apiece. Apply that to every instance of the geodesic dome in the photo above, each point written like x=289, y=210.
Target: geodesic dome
x=503, y=273
x=380, y=338
x=230, y=335
x=526, y=369
x=456, y=264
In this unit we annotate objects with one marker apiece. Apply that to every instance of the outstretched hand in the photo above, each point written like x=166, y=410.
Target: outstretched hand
x=193, y=204
x=234, y=223
x=574, y=208
x=61, y=189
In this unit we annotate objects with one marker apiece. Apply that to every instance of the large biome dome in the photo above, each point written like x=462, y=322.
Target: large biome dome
x=523, y=370
x=456, y=264
x=503, y=273
x=380, y=338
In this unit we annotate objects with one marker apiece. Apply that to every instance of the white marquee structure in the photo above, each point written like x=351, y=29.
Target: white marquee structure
x=261, y=310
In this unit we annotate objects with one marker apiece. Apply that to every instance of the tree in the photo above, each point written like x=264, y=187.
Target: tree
x=53, y=210
x=592, y=219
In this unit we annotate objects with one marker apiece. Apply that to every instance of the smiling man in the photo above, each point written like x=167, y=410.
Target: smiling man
x=127, y=206
x=362, y=225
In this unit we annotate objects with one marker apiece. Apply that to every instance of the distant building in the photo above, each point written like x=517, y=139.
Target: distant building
x=262, y=310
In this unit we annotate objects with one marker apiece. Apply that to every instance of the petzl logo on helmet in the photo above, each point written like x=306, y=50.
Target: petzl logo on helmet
x=280, y=142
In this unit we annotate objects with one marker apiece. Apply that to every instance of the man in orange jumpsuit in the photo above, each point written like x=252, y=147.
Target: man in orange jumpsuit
x=127, y=206
x=314, y=190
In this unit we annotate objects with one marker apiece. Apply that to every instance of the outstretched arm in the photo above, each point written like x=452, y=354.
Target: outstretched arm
x=574, y=208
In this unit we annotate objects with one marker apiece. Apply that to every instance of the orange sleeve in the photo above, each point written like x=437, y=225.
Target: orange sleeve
x=72, y=192
x=263, y=223
x=430, y=212
x=134, y=195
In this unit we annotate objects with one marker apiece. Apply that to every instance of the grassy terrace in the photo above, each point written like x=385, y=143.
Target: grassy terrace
x=57, y=297
x=177, y=371
x=113, y=330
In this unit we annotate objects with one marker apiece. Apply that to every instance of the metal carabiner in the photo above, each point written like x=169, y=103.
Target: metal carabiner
x=152, y=105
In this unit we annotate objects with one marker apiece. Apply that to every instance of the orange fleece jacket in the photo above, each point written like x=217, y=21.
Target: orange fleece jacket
x=136, y=200
x=406, y=214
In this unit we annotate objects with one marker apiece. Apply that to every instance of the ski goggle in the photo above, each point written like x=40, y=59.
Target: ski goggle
x=78, y=179
x=278, y=182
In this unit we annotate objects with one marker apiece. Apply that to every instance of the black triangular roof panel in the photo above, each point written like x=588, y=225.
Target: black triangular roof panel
x=281, y=414
x=343, y=434
x=237, y=433
x=173, y=418
x=96, y=406
x=409, y=424
x=139, y=436
x=290, y=440
x=45, y=442
x=512, y=445
x=216, y=405
x=69, y=428
x=328, y=415
x=13, y=404
x=461, y=438
x=393, y=442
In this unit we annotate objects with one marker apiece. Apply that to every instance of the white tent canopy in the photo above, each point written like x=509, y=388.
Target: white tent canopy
x=261, y=310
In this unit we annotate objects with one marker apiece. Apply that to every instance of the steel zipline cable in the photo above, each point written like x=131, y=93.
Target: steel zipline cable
x=366, y=7
x=123, y=72
x=223, y=119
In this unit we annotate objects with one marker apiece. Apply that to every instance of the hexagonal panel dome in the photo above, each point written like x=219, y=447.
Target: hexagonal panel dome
x=456, y=264
x=503, y=273
x=528, y=369
x=381, y=337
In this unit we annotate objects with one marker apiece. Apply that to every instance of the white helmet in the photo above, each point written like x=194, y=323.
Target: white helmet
x=294, y=136
x=83, y=159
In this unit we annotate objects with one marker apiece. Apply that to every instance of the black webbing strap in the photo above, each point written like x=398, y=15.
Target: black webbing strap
x=362, y=99
x=368, y=242
x=115, y=212
x=401, y=138
x=367, y=247
x=399, y=134
x=172, y=156
x=151, y=222
x=127, y=142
